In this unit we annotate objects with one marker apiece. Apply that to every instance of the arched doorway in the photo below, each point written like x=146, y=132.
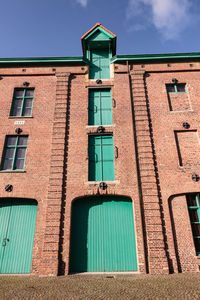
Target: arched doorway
x=102, y=235
x=17, y=230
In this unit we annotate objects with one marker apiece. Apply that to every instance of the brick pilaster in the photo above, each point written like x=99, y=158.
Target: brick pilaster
x=156, y=258
x=55, y=189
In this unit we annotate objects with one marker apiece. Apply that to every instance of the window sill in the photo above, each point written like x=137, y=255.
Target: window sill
x=12, y=171
x=20, y=117
x=95, y=183
x=182, y=111
x=96, y=126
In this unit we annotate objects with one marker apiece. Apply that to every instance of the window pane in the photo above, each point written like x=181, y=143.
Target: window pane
x=29, y=93
x=191, y=200
x=21, y=153
x=170, y=88
x=19, y=93
x=28, y=103
x=22, y=140
x=9, y=152
x=27, y=112
x=11, y=141
x=193, y=215
x=181, y=87
x=196, y=229
x=19, y=164
x=197, y=244
x=7, y=164
x=16, y=111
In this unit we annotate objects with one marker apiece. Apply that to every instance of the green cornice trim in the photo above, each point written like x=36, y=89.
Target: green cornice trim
x=80, y=60
x=156, y=57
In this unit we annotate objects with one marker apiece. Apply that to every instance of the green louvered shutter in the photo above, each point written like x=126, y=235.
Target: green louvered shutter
x=17, y=229
x=100, y=107
x=101, y=158
x=103, y=235
x=99, y=64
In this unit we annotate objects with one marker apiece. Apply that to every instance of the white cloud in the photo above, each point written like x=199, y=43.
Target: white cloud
x=82, y=2
x=169, y=17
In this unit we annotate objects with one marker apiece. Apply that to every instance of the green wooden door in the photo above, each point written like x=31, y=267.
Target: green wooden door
x=17, y=229
x=100, y=64
x=103, y=235
x=100, y=107
x=101, y=158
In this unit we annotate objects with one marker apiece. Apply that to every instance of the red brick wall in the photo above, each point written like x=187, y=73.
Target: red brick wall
x=147, y=169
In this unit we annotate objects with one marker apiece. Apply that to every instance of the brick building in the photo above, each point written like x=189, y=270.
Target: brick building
x=100, y=161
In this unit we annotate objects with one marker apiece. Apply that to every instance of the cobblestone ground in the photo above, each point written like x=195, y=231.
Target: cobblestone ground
x=97, y=287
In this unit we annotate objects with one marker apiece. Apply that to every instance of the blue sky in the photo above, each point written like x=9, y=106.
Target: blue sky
x=54, y=28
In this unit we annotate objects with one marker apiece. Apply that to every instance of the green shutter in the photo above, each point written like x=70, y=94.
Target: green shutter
x=17, y=229
x=101, y=158
x=100, y=64
x=103, y=235
x=100, y=107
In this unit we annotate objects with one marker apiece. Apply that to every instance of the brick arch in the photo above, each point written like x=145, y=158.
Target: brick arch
x=182, y=234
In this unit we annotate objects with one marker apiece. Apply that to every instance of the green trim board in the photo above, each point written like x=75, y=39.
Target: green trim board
x=17, y=230
x=102, y=235
x=82, y=60
x=77, y=60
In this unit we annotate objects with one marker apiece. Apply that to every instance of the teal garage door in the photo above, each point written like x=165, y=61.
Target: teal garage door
x=17, y=229
x=102, y=235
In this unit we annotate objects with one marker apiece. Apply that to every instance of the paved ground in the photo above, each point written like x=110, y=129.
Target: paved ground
x=97, y=287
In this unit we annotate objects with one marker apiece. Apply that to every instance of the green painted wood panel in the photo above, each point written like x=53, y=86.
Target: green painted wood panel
x=100, y=64
x=20, y=231
x=103, y=235
x=100, y=107
x=101, y=158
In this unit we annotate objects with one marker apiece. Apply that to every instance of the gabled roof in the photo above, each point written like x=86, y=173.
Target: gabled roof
x=95, y=26
x=100, y=33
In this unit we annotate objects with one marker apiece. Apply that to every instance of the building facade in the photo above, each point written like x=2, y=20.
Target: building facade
x=100, y=162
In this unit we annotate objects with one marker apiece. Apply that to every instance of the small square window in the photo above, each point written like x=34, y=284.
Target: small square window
x=22, y=103
x=14, y=153
x=176, y=88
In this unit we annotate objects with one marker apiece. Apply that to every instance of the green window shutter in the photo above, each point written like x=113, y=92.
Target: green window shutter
x=100, y=107
x=100, y=64
x=107, y=158
x=22, y=103
x=101, y=158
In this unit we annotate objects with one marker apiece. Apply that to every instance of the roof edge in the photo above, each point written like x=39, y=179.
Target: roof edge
x=156, y=57
x=43, y=60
